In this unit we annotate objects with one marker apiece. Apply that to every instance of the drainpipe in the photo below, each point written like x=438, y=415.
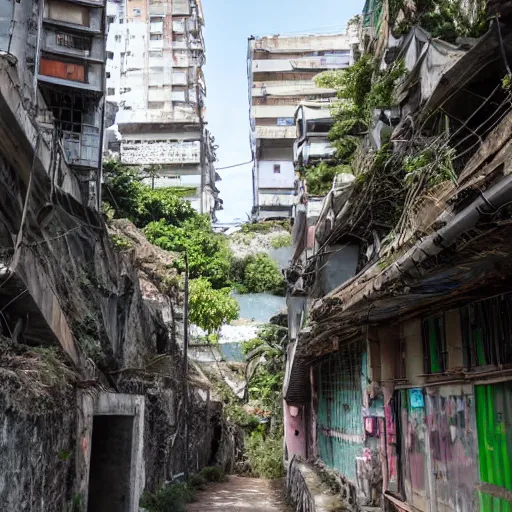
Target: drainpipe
x=489, y=202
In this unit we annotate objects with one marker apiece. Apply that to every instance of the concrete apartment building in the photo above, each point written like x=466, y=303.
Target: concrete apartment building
x=155, y=54
x=281, y=73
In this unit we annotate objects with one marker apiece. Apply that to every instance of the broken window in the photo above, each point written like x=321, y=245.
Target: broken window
x=136, y=12
x=77, y=121
x=434, y=345
x=156, y=37
x=277, y=168
x=73, y=41
x=118, y=38
x=487, y=331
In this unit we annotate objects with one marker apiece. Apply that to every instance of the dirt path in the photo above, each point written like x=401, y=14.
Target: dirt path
x=240, y=495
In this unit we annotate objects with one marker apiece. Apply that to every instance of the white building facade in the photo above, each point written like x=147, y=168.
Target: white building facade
x=281, y=72
x=155, y=52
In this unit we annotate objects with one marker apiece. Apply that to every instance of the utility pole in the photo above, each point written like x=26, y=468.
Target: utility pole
x=185, y=363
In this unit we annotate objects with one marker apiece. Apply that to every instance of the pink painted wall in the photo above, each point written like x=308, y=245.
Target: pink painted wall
x=294, y=430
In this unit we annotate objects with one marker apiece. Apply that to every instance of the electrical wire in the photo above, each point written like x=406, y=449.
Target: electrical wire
x=233, y=166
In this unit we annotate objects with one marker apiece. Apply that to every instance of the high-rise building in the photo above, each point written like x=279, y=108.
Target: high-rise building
x=281, y=71
x=155, y=52
x=70, y=73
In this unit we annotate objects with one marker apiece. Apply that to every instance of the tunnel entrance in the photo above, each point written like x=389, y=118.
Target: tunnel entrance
x=111, y=459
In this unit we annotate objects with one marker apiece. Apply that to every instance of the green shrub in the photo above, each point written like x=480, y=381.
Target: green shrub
x=209, y=255
x=198, y=481
x=238, y=415
x=209, y=308
x=262, y=274
x=265, y=456
x=213, y=474
x=171, y=498
x=281, y=241
x=132, y=199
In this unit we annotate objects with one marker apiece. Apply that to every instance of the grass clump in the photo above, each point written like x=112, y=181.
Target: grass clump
x=175, y=496
x=120, y=242
x=170, y=498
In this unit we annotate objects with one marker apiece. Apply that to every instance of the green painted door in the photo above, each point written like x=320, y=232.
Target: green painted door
x=494, y=424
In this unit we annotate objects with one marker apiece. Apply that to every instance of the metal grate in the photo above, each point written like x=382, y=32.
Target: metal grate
x=339, y=415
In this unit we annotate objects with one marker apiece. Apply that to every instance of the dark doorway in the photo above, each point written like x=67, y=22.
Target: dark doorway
x=111, y=457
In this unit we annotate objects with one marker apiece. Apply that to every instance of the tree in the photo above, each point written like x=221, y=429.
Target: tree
x=210, y=309
x=209, y=255
x=132, y=199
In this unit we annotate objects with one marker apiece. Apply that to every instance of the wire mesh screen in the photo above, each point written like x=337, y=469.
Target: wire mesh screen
x=339, y=415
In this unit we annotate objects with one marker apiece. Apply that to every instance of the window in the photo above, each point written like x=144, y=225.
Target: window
x=486, y=328
x=110, y=55
x=153, y=105
x=111, y=91
x=73, y=41
x=434, y=345
x=136, y=12
x=178, y=95
x=118, y=38
x=155, y=37
x=277, y=169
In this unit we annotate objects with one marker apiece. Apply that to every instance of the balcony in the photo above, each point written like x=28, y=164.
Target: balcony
x=68, y=43
x=71, y=73
x=74, y=16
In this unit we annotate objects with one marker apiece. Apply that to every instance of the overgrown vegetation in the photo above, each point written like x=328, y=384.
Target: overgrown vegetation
x=265, y=373
x=266, y=227
x=266, y=455
x=209, y=256
x=175, y=496
x=170, y=222
x=257, y=273
x=320, y=177
x=210, y=308
x=281, y=241
x=444, y=19
x=131, y=199
x=360, y=90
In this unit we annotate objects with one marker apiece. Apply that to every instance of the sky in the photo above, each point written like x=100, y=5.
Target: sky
x=229, y=23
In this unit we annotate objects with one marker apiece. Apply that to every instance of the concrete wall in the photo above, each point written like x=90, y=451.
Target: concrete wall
x=340, y=265
x=269, y=179
x=295, y=430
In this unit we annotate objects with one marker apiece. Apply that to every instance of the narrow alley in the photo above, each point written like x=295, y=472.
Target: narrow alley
x=240, y=494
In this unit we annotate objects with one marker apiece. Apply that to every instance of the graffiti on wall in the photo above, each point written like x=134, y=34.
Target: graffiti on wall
x=453, y=447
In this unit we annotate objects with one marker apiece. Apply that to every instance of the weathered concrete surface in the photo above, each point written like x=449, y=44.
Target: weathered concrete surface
x=309, y=492
x=241, y=494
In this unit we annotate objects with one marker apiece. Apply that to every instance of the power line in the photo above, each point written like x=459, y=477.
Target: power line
x=236, y=165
